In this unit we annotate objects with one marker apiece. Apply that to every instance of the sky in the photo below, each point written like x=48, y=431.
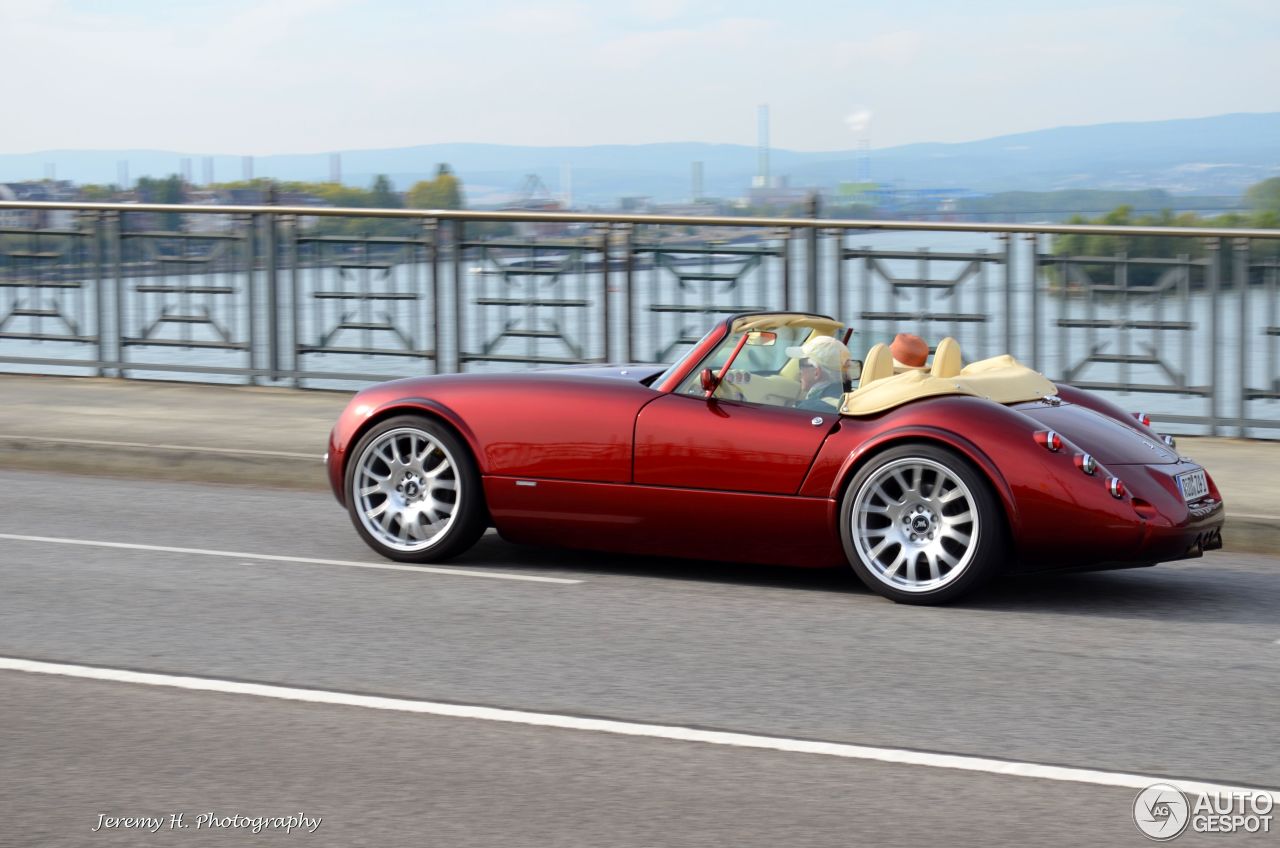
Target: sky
x=256, y=77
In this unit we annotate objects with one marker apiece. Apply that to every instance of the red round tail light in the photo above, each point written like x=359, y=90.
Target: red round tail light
x=1143, y=418
x=1049, y=440
x=1115, y=487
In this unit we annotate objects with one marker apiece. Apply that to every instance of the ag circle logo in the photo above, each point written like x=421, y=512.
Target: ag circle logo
x=1160, y=811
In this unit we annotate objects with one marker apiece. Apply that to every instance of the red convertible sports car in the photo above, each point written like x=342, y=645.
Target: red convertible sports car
x=927, y=479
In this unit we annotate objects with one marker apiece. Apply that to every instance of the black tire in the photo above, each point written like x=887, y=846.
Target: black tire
x=414, y=491
x=910, y=540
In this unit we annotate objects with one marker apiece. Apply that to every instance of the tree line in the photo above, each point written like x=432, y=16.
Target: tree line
x=443, y=191
x=1262, y=202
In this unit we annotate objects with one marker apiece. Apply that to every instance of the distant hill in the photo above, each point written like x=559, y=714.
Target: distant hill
x=1219, y=155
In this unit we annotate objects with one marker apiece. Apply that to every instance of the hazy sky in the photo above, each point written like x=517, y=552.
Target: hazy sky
x=282, y=76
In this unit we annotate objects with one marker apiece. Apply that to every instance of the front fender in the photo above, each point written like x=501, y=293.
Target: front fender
x=377, y=404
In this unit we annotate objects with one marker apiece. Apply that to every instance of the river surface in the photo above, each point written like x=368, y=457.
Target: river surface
x=868, y=300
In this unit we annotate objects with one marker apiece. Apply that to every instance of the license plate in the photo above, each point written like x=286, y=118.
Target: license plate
x=1193, y=485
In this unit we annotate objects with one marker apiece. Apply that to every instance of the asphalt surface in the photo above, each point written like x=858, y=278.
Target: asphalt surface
x=1172, y=671
x=151, y=430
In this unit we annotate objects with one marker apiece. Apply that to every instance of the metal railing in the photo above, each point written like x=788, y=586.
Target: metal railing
x=327, y=297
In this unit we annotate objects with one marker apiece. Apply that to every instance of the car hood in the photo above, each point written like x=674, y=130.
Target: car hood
x=1110, y=441
x=635, y=372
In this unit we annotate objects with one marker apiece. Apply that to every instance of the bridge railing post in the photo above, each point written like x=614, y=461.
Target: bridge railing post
x=629, y=291
x=606, y=231
x=1215, y=286
x=1241, y=274
x=459, y=234
x=811, y=257
x=1008, y=243
x=269, y=251
x=93, y=222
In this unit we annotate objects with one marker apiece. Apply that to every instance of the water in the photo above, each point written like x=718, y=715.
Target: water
x=867, y=301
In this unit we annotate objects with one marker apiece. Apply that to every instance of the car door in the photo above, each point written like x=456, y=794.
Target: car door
x=692, y=442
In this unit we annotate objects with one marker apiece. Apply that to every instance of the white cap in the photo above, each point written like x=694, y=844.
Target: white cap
x=827, y=352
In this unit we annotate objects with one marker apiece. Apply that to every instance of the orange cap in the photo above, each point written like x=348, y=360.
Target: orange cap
x=909, y=349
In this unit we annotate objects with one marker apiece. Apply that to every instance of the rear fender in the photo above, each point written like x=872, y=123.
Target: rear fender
x=861, y=453
x=1047, y=500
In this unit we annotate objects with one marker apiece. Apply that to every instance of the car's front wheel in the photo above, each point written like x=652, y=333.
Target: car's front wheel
x=921, y=526
x=413, y=491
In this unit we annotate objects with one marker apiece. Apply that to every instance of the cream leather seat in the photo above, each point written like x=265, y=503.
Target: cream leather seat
x=946, y=359
x=877, y=365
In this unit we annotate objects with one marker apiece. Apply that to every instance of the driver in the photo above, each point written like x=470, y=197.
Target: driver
x=823, y=364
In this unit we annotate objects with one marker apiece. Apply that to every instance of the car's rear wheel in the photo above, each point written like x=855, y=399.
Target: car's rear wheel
x=413, y=491
x=921, y=526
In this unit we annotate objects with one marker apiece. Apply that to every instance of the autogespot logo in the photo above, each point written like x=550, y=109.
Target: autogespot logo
x=1161, y=812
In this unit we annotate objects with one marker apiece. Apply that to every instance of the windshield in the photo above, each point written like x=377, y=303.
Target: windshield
x=763, y=360
x=679, y=363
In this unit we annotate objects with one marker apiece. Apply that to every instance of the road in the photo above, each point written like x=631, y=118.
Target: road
x=1169, y=672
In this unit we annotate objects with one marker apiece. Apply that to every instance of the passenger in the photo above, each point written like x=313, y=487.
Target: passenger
x=823, y=364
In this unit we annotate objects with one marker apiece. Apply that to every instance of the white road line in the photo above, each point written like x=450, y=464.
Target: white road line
x=385, y=566
x=675, y=733
x=311, y=457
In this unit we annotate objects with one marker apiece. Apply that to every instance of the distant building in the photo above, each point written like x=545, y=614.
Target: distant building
x=199, y=222
x=40, y=191
x=538, y=229
x=701, y=208
x=906, y=202
x=302, y=198
x=534, y=196
x=857, y=194
x=778, y=192
x=10, y=217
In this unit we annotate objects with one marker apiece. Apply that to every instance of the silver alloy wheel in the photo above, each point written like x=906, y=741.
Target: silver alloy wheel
x=406, y=489
x=915, y=525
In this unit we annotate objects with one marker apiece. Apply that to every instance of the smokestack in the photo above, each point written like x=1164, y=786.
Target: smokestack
x=860, y=122
x=697, y=182
x=566, y=185
x=186, y=170
x=247, y=165
x=208, y=170
x=762, y=133
x=122, y=173
x=335, y=167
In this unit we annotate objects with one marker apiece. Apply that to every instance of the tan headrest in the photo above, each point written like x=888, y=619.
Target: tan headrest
x=946, y=359
x=877, y=365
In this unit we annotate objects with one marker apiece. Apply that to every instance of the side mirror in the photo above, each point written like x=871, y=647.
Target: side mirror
x=852, y=373
x=709, y=381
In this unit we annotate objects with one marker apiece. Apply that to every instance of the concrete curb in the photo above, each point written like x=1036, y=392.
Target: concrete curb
x=1255, y=534
x=1242, y=534
x=163, y=462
